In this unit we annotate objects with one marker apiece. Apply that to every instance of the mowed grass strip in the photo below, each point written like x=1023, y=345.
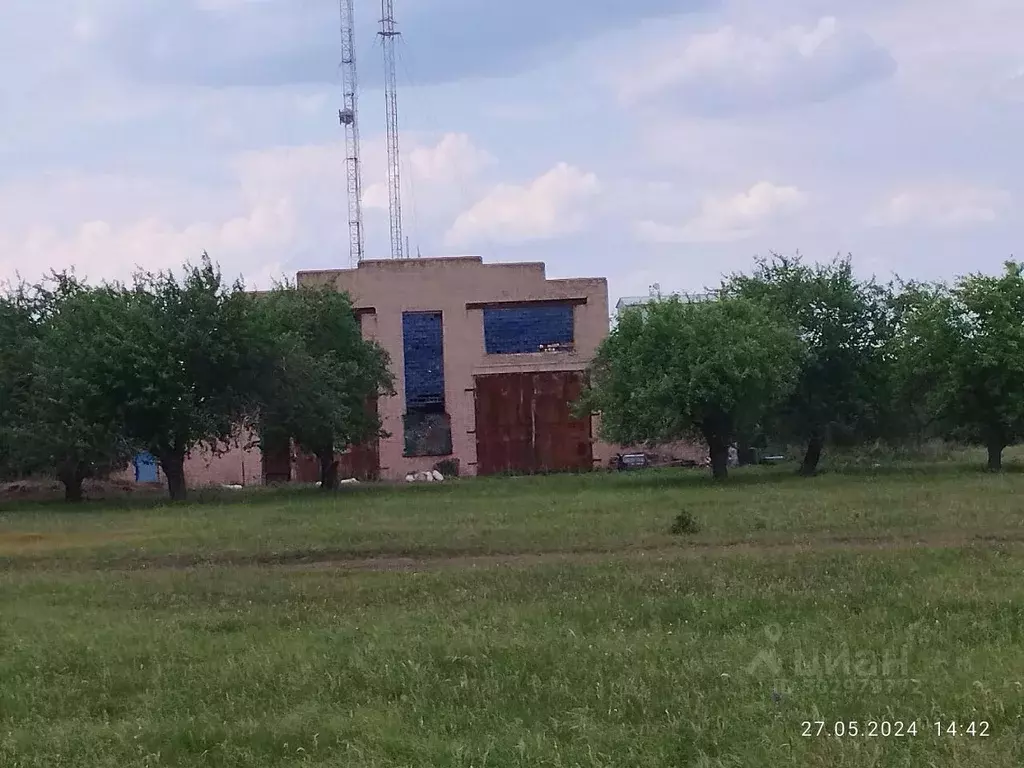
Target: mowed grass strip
x=636, y=661
x=520, y=515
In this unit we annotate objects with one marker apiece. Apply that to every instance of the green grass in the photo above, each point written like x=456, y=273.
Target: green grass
x=519, y=515
x=245, y=632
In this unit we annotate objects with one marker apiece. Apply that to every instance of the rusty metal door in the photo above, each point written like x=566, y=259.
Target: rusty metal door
x=561, y=443
x=503, y=425
x=524, y=424
x=277, y=460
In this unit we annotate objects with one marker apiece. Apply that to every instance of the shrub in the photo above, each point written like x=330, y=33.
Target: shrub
x=685, y=523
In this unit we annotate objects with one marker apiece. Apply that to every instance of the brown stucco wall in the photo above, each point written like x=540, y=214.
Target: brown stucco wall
x=395, y=286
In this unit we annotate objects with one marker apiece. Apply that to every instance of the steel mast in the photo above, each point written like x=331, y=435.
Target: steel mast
x=349, y=117
x=389, y=35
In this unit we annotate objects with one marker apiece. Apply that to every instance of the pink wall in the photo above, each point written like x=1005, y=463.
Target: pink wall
x=448, y=285
x=239, y=466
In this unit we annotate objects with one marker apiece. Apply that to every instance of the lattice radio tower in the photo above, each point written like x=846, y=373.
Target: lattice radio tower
x=349, y=116
x=389, y=35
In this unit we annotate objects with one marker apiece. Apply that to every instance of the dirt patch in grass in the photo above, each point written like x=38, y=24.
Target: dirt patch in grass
x=29, y=543
x=341, y=560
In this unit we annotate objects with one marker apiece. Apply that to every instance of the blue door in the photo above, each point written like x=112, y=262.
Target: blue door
x=145, y=468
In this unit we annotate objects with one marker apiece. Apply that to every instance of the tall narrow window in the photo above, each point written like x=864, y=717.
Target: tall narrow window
x=427, y=426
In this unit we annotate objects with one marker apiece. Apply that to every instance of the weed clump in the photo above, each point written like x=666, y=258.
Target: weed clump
x=685, y=523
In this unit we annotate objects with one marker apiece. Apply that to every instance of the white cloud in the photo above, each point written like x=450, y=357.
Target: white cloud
x=176, y=184
x=732, y=70
x=941, y=205
x=729, y=219
x=962, y=51
x=96, y=249
x=448, y=168
x=277, y=205
x=453, y=157
x=554, y=204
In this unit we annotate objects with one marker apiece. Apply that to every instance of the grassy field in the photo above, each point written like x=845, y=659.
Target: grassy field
x=524, y=622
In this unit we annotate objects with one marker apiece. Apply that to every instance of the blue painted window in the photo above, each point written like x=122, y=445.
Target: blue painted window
x=527, y=329
x=423, y=342
x=145, y=468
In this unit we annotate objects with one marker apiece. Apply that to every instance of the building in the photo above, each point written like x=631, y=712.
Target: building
x=488, y=359
x=655, y=295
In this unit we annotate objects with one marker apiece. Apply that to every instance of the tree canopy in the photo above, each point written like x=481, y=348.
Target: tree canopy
x=961, y=355
x=168, y=365
x=177, y=363
x=171, y=363
x=320, y=376
x=845, y=326
x=19, y=330
x=64, y=420
x=672, y=370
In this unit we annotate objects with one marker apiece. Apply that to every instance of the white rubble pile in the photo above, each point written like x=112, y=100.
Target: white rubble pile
x=424, y=477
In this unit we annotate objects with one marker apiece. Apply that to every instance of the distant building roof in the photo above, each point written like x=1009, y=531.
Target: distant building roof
x=632, y=301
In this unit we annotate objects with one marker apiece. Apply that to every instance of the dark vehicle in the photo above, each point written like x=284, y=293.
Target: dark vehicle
x=628, y=461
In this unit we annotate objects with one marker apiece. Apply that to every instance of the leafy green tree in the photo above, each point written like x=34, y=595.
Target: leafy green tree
x=62, y=421
x=178, y=363
x=69, y=424
x=319, y=374
x=962, y=357
x=674, y=370
x=19, y=331
x=845, y=324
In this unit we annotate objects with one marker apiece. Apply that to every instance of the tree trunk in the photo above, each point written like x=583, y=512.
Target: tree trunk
x=718, y=448
x=328, y=470
x=173, y=466
x=745, y=453
x=995, y=456
x=72, y=476
x=809, y=466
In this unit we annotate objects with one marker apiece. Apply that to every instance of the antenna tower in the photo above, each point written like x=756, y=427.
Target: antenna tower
x=349, y=117
x=389, y=35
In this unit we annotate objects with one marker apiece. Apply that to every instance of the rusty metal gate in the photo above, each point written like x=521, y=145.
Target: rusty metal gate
x=524, y=424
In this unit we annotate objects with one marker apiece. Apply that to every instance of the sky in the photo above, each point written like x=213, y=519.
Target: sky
x=663, y=142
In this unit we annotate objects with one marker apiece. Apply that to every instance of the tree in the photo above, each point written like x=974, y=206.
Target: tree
x=68, y=423
x=672, y=370
x=61, y=421
x=962, y=355
x=319, y=374
x=178, y=364
x=19, y=330
x=845, y=324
